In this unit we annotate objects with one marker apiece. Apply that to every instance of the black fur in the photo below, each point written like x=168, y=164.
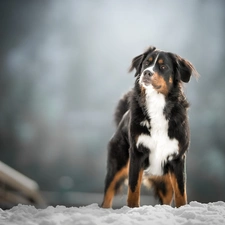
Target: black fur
x=132, y=110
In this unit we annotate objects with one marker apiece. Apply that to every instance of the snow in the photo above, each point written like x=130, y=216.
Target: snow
x=193, y=213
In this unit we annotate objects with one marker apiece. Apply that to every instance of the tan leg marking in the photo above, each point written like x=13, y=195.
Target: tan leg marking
x=168, y=196
x=108, y=198
x=165, y=196
x=133, y=199
x=180, y=199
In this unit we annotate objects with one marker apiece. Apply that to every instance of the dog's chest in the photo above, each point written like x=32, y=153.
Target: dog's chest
x=161, y=147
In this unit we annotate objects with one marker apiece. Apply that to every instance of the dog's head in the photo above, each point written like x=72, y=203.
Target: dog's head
x=161, y=70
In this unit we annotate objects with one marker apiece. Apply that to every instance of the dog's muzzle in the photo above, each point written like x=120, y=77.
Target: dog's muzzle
x=146, y=77
x=147, y=73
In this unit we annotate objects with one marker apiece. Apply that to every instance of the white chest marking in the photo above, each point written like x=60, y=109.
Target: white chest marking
x=160, y=145
x=145, y=123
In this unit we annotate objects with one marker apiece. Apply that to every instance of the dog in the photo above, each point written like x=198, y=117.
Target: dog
x=152, y=136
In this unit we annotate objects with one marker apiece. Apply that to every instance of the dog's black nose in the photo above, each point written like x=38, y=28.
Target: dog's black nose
x=148, y=73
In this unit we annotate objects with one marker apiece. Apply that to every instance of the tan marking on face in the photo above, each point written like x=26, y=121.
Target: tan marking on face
x=108, y=198
x=170, y=80
x=159, y=84
x=133, y=199
x=150, y=59
x=160, y=61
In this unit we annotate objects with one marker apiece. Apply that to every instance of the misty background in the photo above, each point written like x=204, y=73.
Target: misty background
x=63, y=67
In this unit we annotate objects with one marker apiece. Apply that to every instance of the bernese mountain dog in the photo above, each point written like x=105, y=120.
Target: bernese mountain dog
x=152, y=135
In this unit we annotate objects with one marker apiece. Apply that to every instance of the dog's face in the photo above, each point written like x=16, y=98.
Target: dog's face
x=157, y=71
x=161, y=70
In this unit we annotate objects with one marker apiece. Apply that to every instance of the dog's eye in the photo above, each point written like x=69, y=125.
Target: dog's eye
x=146, y=63
x=163, y=67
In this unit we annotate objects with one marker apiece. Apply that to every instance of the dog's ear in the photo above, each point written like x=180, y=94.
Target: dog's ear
x=184, y=69
x=137, y=61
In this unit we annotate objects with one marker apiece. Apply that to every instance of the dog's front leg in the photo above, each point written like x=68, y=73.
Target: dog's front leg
x=178, y=180
x=135, y=179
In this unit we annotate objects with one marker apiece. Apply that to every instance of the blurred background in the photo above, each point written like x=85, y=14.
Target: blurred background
x=63, y=67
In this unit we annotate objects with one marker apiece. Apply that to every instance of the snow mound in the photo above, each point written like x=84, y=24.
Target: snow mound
x=193, y=213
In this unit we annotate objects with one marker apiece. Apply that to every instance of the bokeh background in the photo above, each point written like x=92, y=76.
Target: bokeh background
x=63, y=67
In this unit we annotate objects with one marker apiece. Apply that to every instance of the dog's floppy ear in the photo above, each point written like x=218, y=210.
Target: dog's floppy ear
x=137, y=61
x=185, y=69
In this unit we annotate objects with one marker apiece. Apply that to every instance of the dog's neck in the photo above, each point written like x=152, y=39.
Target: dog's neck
x=155, y=102
x=149, y=101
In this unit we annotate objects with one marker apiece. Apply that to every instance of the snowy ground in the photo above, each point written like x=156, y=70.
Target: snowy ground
x=194, y=213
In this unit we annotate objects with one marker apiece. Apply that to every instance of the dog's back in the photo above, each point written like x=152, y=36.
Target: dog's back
x=122, y=107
